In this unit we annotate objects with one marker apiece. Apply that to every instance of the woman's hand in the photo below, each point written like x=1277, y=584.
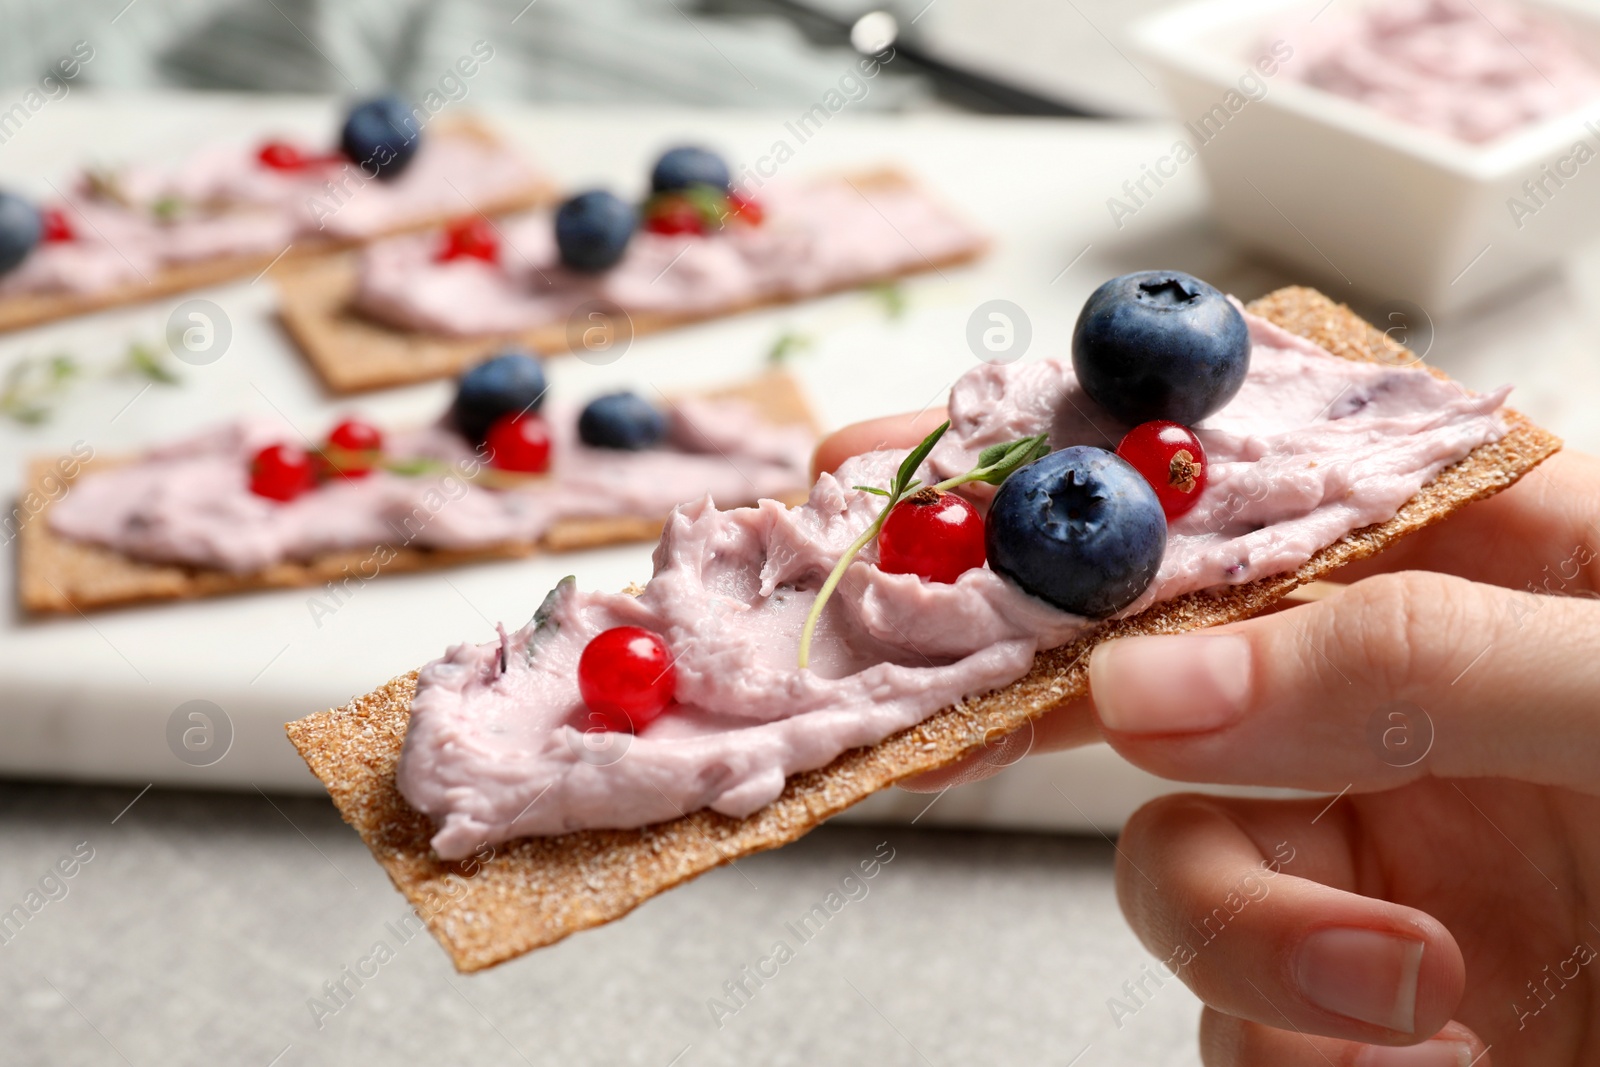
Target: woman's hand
x=1450, y=892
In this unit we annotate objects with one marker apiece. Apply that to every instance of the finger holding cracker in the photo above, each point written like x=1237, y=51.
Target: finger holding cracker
x=848, y=652
x=1450, y=726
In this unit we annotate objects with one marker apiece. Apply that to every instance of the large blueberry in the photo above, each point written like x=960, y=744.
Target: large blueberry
x=686, y=165
x=19, y=230
x=592, y=230
x=381, y=136
x=510, y=382
x=1080, y=528
x=1160, y=344
x=621, y=420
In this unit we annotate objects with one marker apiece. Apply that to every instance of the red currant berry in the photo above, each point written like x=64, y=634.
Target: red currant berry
x=55, y=226
x=627, y=678
x=280, y=155
x=745, y=209
x=354, y=448
x=519, y=443
x=280, y=472
x=1169, y=456
x=674, y=215
x=470, y=237
x=937, y=535
x=356, y=436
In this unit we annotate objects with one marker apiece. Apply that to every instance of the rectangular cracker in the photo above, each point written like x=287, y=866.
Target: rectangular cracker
x=56, y=575
x=536, y=891
x=32, y=309
x=353, y=353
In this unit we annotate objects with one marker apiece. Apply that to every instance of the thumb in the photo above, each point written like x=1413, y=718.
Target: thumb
x=1397, y=677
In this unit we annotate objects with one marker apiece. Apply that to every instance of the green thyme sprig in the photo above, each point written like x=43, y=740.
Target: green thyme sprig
x=995, y=464
x=33, y=386
x=426, y=466
x=708, y=202
x=415, y=466
x=143, y=360
x=999, y=462
x=789, y=343
x=167, y=209
x=892, y=297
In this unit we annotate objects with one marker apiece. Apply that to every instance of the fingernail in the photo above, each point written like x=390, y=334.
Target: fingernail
x=1427, y=1054
x=1170, y=684
x=1362, y=974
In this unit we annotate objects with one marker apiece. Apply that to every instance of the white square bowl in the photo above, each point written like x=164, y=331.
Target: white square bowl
x=1354, y=196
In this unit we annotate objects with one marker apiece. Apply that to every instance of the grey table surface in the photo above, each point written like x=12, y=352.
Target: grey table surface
x=219, y=928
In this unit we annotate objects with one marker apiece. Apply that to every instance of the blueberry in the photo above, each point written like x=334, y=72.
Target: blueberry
x=621, y=420
x=1080, y=528
x=20, y=227
x=592, y=230
x=1160, y=344
x=679, y=168
x=381, y=135
x=510, y=382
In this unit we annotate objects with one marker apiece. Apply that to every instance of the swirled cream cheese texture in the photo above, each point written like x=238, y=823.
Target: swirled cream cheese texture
x=1312, y=447
x=190, y=502
x=1473, y=69
x=816, y=237
x=226, y=203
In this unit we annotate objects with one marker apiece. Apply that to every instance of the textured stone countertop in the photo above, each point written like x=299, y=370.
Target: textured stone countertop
x=204, y=929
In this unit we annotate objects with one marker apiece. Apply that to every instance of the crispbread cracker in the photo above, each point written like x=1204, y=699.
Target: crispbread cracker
x=31, y=309
x=55, y=574
x=353, y=352
x=535, y=891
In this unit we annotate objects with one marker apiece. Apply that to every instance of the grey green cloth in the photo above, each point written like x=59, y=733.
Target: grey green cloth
x=600, y=51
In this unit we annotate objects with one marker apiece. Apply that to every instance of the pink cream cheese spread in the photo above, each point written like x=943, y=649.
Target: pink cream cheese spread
x=1474, y=69
x=816, y=237
x=1311, y=448
x=224, y=202
x=191, y=503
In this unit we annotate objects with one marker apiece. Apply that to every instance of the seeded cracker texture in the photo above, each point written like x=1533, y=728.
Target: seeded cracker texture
x=353, y=352
x=56, y=575
x=536, y=891
x=30, y=309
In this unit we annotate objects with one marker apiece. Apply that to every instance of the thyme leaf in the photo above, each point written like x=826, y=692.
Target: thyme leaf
x=34, y=385
x=788, y=344
x=998, y=462
x=892, y=297
x=995, y=464
x=416, y=465
x=142, y=360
